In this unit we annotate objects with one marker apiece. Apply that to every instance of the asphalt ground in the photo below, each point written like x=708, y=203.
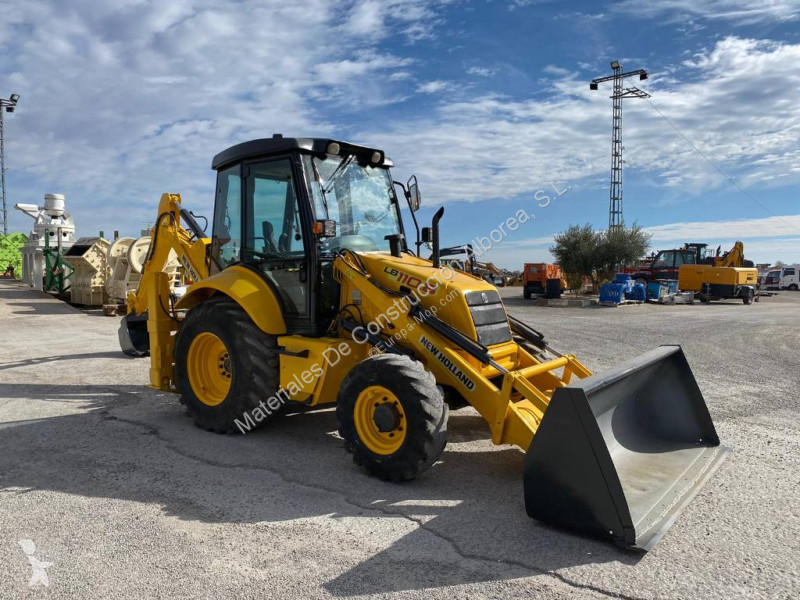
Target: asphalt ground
x=127, y=499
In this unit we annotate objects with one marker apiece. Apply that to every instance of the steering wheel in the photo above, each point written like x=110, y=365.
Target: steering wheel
x=262, y=255
x=357, y=243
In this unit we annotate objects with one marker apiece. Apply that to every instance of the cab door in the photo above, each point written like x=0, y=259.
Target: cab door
x=274, y=237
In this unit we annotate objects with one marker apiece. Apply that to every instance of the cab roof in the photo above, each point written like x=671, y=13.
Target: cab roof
x=278, y=144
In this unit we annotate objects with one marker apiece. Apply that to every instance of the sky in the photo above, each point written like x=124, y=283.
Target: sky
x=487, y=102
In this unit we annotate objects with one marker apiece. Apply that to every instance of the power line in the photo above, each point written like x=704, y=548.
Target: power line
x=713, y=164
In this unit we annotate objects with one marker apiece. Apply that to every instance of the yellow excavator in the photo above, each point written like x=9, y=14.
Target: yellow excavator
x=305, y=292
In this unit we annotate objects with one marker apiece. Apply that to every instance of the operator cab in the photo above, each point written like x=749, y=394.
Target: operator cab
x=286, y=206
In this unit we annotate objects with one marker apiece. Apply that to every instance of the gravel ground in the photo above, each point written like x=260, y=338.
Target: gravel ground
x=126, y=498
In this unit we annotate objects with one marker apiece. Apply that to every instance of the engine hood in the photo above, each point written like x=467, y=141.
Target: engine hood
x=467, y=303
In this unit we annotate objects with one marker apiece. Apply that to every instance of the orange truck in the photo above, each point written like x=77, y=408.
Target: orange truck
x=542, y=279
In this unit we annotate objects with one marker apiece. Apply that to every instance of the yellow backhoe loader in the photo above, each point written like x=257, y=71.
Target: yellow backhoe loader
x=306, y=292
x=719, y=276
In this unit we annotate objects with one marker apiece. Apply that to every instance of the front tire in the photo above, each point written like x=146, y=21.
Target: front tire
x=226, y=367
x=392, y=417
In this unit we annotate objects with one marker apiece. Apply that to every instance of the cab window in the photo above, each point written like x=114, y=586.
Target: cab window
x=227, y=235
x=274, y=230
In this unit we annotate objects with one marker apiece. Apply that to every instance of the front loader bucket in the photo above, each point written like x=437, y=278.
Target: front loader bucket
x=620, y=454
x=134, y=340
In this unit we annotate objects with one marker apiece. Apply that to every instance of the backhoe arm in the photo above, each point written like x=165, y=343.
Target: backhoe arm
x=153, y=296
x=733, y=258
x=169, y=239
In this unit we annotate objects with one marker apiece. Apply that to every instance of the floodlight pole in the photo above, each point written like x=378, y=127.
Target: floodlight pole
x=6, y=105
x=615, y=219
x=3, y=173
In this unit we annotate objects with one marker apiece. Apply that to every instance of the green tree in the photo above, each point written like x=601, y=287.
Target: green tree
x=620, y=247
x=575, y=250
x=583, y=252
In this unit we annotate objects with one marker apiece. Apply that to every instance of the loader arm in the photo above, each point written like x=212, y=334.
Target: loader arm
x=507, y=385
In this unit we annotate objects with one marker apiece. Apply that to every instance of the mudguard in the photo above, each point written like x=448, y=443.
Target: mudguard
x=248, y=289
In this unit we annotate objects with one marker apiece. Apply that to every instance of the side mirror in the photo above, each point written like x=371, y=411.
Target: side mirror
x=414, y=197
x=426, y=237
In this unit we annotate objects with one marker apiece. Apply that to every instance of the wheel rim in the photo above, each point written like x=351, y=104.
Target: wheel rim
x=380, y=420
x=208, y=366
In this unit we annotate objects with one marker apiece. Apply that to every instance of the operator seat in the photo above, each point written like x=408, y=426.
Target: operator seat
x=270, y=247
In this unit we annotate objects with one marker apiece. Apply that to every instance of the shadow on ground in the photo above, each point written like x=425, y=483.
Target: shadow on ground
x=63, y=357
x=131, y=443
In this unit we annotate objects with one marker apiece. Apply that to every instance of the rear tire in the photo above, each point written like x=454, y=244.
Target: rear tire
x=218, y=341
x=748, y=297
x=526, y=293
x=793, y=287
x=392, y=417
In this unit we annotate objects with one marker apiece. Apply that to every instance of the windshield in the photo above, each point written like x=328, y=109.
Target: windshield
x=358, y=198
x=663, y=260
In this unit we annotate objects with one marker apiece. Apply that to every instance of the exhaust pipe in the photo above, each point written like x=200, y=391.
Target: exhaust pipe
x=435, y=235
x=618, y=455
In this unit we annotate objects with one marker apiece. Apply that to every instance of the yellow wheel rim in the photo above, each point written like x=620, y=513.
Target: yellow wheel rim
x=208, y=365
x=380, y=420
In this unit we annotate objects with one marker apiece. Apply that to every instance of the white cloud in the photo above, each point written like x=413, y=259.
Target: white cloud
x=740, y=229
x=515, y=4
x=416, y=19
x=122, y=101
x=400, y=76
x=481, y=71
x=343, y=71
x=433, y=87
x=366, y=19
x=735, y=101
x=554, y=70
x=740, y=11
